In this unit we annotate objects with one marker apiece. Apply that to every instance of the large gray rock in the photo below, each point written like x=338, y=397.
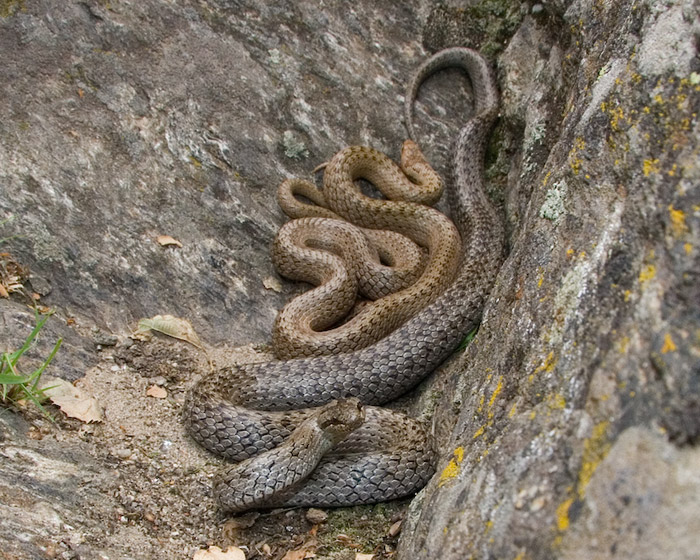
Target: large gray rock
x=568, y=428
x=587, y=362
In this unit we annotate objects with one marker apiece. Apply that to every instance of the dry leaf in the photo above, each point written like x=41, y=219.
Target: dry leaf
x=3, y=292
x=360, y=556
x=166, y=240
x=215, y=553
x=395, y=529
x=72, y=400
x=346, y=541
x=171, y=326
x=156, y=392
x=298, y=555
x=271, y=283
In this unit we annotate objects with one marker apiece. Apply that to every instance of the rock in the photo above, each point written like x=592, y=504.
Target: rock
x=102, y=338
x=641, y=502
x=586, y=363
x=316, y=516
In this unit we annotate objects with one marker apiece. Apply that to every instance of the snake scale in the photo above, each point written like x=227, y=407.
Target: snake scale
x=299, y=328
x=344, y=449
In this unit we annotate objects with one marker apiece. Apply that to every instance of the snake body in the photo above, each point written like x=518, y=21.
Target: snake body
x=243, y=410
x=341, y=260
x=299, y=328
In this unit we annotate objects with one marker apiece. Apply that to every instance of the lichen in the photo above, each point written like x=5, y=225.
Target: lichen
x=595, y=449
x=669, y=345
x=563, y=514
x=453, y=468
x=553, y=207
x=293, y=148
x=9, y=8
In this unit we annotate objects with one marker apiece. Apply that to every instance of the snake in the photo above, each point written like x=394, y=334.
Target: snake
x=260, y=415
x=299, y=327
x=352, y=272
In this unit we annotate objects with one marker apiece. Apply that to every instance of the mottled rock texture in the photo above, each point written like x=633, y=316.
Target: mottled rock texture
x=570, y=427
x=577, y=409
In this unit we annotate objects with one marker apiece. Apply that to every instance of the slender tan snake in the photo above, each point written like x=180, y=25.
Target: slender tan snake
x=300, y=326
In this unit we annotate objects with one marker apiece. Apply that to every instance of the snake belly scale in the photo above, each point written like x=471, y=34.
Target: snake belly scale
x=240, y=411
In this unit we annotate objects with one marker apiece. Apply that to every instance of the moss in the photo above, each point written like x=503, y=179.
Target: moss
x=361, y=528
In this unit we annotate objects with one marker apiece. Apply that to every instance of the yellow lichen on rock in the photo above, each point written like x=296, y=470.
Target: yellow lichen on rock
x=453, y=467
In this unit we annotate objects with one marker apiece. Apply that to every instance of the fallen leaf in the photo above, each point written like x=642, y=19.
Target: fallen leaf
x=166, y=240
x=156, y=392
x=298, y=555
x=271, y=283
x=171, y=326
x=346, y=541
x=3, y=292
x=71, y=400
x=395, y=529
x=360, y=556
x=215, y=553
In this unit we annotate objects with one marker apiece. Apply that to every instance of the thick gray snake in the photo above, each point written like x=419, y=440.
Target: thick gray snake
x=344, y=452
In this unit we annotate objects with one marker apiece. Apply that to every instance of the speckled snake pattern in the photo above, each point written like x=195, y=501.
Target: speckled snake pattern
x=303, y=326
x=347, y=449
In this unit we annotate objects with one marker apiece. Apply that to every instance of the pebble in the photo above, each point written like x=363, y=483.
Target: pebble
x=316, y=516
x=122, y=453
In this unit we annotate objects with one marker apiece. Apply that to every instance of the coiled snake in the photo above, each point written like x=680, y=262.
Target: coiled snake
x=299, y=328
x=375, y=454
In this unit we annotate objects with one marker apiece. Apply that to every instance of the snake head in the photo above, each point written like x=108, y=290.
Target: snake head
x=339, y=418
x=417, y=169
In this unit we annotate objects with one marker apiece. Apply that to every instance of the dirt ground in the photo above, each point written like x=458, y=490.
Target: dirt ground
x=151, y=494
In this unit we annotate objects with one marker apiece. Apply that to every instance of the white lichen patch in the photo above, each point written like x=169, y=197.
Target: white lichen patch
x=293, y=148
x=553, y=207
x=274, y=55
x=577, y=282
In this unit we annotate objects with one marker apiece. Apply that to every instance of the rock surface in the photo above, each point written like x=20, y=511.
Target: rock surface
x=588, y=360
x=568, y=429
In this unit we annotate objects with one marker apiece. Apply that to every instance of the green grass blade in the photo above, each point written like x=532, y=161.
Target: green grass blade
x=37, y=374
x=467, y=339
x=28, y=341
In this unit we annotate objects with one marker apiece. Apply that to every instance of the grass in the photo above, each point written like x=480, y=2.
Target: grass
x=467, y=339
x=15, y=385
